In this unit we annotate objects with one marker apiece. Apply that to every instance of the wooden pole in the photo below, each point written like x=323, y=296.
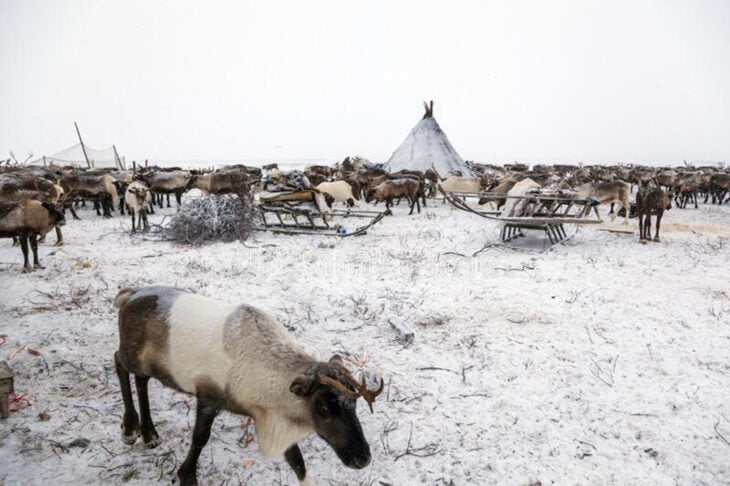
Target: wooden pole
x=82, y=145
x=429, y=109
x=116, y=157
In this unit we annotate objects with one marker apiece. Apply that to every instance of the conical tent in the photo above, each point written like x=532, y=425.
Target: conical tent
x=427, y=147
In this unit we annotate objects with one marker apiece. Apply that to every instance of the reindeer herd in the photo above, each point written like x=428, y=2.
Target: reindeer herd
x=236, y=357
x=138, y=192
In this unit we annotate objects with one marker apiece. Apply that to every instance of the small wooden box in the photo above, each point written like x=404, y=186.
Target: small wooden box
x=6, y=388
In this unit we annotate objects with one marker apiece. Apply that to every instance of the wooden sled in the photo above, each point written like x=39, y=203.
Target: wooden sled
x=283, y=212
x=542, y=212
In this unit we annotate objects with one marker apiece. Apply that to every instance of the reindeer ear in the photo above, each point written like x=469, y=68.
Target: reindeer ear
x=301, y=386
x=336, y=358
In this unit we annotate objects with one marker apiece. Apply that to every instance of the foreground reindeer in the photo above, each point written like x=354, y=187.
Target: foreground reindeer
x=235, y=358
x=651, y=200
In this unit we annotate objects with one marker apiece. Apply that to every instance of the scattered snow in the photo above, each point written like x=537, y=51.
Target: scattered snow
x=596, y=361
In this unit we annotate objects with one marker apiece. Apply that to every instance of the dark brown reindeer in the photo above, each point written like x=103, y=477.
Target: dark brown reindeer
x=651, y=200
x=27, y=220
x=99, y=187
x=165, y=182
x=222, y=181
x=396, y=189
x=23, y=186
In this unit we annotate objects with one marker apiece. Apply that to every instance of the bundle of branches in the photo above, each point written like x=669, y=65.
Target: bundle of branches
x=212, y=218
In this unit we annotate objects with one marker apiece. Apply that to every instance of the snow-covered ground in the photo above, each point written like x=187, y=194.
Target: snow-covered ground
x=595, y=361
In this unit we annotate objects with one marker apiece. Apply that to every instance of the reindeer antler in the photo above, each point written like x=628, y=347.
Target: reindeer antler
x=361, y=388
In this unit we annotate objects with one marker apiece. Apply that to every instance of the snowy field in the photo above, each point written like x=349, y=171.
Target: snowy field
x=596, y=361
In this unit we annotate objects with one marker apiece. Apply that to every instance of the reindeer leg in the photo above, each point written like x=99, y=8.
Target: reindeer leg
x=642, y=239
x=34, y=247
x=107, y=205
x=131, y=212
x=24, y=246
x=295, y=460
x=130, y=424
x=59, y=237
x=647, y=227
x=146, y=222
x=204, y=416
x=658, y=222
x=149, y=434
x=73, y=212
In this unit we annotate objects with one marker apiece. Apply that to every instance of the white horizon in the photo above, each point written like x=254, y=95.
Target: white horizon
x=569, y=81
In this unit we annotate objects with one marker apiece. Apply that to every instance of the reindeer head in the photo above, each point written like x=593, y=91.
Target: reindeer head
x=330, y=392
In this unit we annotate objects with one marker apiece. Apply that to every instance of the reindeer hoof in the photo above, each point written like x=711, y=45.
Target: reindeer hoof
x=27, y=269
x=38, y=266
x=152, y=443
x=642, y=241
x=59, y=243
x=656, y=239
x=130, y=439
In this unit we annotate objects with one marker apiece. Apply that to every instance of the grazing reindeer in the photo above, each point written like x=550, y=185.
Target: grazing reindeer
x=651, y=200
x=235, y=358
x=397, y=188
x=608, y=192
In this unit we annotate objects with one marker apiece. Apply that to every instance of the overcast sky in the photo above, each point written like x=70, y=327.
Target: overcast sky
x=537, y=80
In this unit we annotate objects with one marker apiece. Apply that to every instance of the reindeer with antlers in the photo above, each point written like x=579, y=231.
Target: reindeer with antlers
x=235, y=358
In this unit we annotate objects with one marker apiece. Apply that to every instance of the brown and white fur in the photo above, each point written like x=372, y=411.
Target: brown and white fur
x=618, y=192
x=167, y=182
x=234, y=358
x=341, y=191
x=38, y=188
x=138, y=198
x=28, y=219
